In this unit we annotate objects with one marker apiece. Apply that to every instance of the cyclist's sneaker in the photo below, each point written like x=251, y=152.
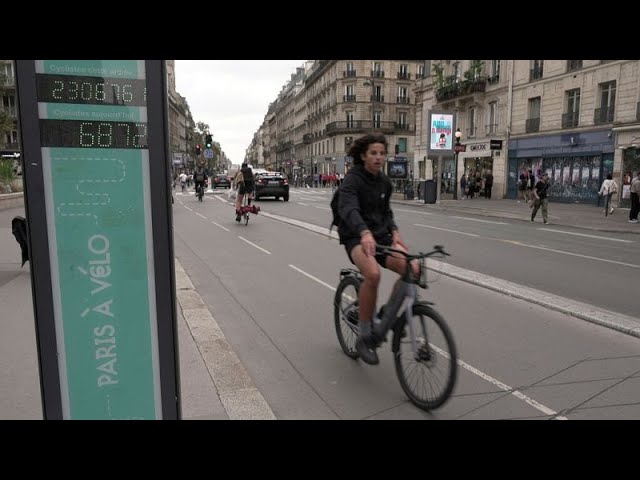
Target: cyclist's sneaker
x=237, y=218
x=365, y=345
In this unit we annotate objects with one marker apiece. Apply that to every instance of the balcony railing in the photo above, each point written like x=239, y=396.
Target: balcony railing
x=348, y=98
x=532, y=125
x=356, y=126
x=493, y=79
x=492, y=128
x=404, y=76
x=461, y=89
x=402, y=100
x=307, y=138
x=377, y=98
x=377, y=73
x=349, y=73
x=403, y=126
x=603, y=115
x=570, y=119
x=535, y=74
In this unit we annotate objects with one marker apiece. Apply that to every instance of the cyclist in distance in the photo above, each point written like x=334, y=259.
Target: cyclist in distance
x=367, y=220
x=200, y=177
x=244, y=182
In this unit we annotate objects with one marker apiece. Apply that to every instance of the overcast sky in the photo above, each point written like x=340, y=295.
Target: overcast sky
x=232, y=96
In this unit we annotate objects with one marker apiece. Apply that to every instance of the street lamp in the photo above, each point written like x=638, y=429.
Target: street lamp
x=366, y=83
x=457, y=147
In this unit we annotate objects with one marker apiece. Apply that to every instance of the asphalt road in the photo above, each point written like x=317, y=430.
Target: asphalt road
x=597, y=268
x=269, y=287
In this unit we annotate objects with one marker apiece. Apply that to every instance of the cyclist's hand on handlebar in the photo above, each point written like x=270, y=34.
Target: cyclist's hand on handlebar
x=397, y=240
x=368, y=243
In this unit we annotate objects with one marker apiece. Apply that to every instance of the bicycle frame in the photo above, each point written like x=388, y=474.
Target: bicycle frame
x=402, y=298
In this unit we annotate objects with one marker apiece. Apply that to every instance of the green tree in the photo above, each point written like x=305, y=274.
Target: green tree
x=6, y=125
x=6, y=120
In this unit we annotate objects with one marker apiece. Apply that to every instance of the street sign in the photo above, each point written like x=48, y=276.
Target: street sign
x=495, y=144
x=99, y=217
x=208, y=153
x=459, y=147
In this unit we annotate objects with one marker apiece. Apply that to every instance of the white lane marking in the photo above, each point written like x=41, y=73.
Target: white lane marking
x=190, y=209
x=488, y=378
x=484, y=221
x=411, y=211
x=585, y=235
x=200, y=215
x=446, y=230
x=514, y=242
x=322, y=208
x=503, y=386
x=254, y=245
x=313, y=278
x=218, y=225
x=303, y=204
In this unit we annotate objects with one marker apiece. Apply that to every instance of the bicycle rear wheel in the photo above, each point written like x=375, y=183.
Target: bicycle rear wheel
x=345, y=314
x=428, y=375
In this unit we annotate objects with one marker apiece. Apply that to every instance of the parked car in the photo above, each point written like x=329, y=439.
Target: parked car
x=271, y=184
x=221, y=181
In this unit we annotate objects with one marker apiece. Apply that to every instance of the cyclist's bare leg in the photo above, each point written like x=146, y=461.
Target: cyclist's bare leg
x=239, y=198
x=398, y=263
x=368, y=295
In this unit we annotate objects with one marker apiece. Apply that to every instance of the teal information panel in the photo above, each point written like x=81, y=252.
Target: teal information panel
x=93, y=128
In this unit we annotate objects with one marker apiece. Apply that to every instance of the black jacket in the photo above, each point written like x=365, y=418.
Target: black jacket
x=364, y=204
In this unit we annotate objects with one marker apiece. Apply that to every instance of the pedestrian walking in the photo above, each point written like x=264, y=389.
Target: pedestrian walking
x=608, y=189
x=488, y=184
x=635, y=199
x=541, y=200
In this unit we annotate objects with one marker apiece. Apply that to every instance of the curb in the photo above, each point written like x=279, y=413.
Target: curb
x=11, y=200
x=590, y=313
x=239, y=396
x=504, y=214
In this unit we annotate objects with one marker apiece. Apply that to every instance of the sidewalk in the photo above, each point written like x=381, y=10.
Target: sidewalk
x=213, y=383
x=565, y=214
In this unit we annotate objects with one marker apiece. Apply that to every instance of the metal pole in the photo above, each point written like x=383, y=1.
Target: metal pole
x=455, y=179
x=439, y=179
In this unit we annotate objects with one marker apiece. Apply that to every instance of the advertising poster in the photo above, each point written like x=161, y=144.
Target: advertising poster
x=441, y=132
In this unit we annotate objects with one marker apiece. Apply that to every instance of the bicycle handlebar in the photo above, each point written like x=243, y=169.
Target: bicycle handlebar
x=437, y=250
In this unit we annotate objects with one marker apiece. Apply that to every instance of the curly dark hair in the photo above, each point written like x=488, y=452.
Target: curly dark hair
x=361, y=145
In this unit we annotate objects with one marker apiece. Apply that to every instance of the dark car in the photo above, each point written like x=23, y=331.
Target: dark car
x=271, y=184
x=221, y=181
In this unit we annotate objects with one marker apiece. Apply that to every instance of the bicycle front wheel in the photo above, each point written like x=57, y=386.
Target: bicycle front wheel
x=345, y=313
x=428, y=371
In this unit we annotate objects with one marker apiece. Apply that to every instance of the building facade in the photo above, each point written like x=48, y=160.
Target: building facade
x=328, y=103
x=10, y=130
x=574, y=119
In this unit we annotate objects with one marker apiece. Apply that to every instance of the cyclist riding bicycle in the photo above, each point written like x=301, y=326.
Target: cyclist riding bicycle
x=244, y=183
x=200, y=177
x=367, y=220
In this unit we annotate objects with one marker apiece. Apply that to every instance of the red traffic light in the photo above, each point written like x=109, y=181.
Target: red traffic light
x=198, y=149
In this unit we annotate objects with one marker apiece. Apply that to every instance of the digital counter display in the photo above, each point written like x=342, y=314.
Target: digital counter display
x=91, y=90
x=93, y=134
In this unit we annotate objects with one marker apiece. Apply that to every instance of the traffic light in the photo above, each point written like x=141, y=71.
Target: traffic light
x=209, y=140
x=198, y=149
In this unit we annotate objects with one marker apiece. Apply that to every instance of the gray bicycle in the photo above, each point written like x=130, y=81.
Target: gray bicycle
x=424, y=351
